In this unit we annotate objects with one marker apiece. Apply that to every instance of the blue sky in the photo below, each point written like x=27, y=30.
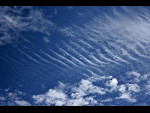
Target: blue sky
x=74, y=55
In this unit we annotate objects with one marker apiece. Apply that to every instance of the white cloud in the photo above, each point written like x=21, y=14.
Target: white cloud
x=58, y=94
x=67, y=31
x=77, y=102
x=113, y=84
x=80, y=14
x=46, y=40
x=12, y=21
x=126, y=35
x=120, y=32
x=133, y=73
x=11, y=97
x=99, y=78
x=122, y=88
x=107, y=100
x=82, y=101
x=33, y=21
x=84, y=93
x=58, y=97
x=127, y=96
x=91, y=100
x=2, y=98
x=38, y=98
x=22, y=103
x=55, y=12
x=127, y=91
x=70, y=7
x=55, y=101
x=145, y=77
x=86, y=87
x=147, y=87
x=129, y=88
x=133, y=87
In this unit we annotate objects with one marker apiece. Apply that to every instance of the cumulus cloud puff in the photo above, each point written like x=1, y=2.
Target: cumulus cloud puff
x=52, y=97
x=84, y=93
x=58, y=97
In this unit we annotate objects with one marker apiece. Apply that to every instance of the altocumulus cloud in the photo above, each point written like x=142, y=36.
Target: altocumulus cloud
x=85, y=93
x=58, y=96
x=13, y=98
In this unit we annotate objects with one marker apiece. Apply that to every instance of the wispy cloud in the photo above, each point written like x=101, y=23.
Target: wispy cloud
x=45, y=39
x=55, y=12
x=126, y=32
x=70, y=7
x=21, y=19
x=22, y=103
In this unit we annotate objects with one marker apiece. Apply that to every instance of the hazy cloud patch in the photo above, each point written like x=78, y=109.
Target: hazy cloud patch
x=46, y=40
x=14, y=20
x=70, y=7
x=22, y=103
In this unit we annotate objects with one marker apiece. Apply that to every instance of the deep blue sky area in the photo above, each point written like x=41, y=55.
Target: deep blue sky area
x=74, y=55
